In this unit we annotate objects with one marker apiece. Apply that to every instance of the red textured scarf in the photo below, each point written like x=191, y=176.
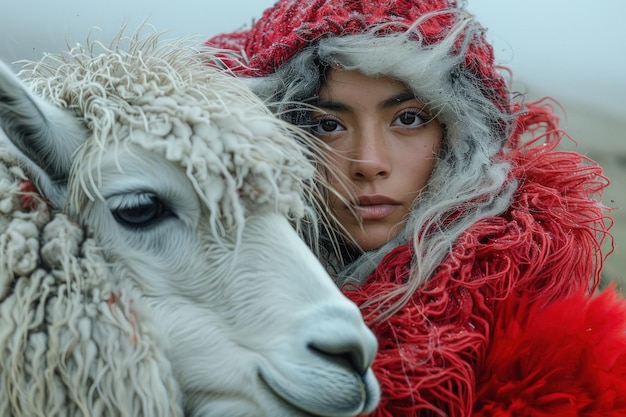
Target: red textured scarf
x=439, y=350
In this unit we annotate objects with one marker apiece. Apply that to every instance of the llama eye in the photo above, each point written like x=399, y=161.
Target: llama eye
x=140, y=210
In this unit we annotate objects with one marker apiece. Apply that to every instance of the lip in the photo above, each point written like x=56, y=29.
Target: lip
x=375, y=206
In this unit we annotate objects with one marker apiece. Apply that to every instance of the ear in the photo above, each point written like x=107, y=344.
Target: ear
x=43, y=136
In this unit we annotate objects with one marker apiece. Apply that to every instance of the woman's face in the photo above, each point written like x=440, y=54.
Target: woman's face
x=385, y=143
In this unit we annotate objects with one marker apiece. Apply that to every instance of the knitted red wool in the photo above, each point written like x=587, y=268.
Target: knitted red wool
x=546, y=247
x=291, y=25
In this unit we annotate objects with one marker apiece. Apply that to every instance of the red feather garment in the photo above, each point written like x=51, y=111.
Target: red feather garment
x=568, y=359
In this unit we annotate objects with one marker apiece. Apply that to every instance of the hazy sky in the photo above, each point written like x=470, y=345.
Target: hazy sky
x=570, y=49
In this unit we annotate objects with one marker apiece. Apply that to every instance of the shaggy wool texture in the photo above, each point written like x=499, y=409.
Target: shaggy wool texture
x=161, y=97
x=73, y=339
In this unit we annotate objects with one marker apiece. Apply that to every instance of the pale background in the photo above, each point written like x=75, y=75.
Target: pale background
x=572, y=50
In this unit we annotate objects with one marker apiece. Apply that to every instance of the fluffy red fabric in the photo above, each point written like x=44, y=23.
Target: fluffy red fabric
x=568, y=359
x=546, y=246
x=427, y=350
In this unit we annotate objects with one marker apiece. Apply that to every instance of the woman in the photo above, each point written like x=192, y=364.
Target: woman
x=471, y=244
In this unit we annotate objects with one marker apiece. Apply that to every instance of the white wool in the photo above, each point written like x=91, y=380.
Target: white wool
x=72, y=338
x=163, y=98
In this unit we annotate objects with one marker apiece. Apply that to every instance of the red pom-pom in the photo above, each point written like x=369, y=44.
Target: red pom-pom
x=567, y=359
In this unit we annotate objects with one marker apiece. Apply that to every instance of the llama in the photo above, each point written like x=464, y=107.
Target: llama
x=150, y=264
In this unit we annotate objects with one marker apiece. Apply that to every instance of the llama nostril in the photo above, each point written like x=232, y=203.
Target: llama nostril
x=347, y=354
x=341, y=340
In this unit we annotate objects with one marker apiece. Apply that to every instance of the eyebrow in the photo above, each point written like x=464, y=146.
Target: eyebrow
x=388, y=103
x=332, y=105
x=398, y=98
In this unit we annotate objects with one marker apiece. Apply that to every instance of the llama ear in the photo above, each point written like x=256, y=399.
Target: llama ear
x=44, y=137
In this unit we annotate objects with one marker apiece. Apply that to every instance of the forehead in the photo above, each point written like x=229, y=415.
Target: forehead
x=355, y=91
x=337, y=81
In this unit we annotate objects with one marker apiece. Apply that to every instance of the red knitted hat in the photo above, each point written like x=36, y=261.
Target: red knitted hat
x=291, y=25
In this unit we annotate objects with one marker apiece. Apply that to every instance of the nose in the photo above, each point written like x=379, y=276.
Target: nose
x=370, y=157
x=324, y=368
x=351, y=353
x=348, y=340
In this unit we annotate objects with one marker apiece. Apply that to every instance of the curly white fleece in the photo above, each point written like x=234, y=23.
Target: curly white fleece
x=72, y=341
x=162, y=97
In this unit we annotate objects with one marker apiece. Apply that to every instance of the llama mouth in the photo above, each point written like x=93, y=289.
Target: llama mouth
x=346, y=396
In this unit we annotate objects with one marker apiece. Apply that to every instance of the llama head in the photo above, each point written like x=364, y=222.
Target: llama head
x=189, y=186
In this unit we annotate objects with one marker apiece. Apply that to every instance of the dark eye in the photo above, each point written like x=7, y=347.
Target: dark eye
x=326, y=126
x=140, y=210
x=409, y=119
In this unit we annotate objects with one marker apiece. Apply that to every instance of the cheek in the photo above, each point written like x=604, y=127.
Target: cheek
x=338, y=171
x=420, y=163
